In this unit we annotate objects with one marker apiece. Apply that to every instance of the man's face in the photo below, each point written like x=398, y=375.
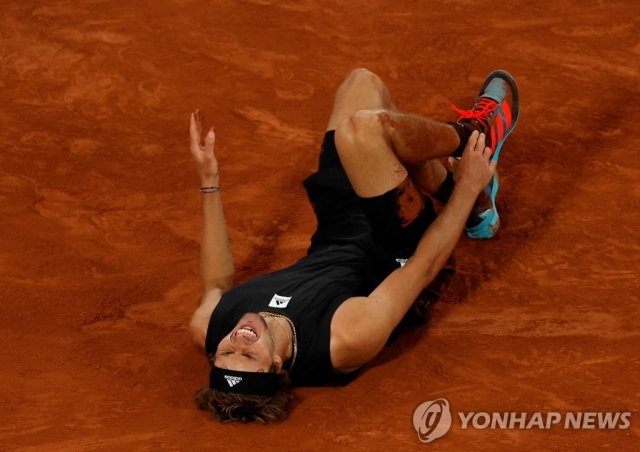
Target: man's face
x=249, y=347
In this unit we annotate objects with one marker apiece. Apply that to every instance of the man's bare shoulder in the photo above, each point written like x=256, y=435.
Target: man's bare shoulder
x=202, y=316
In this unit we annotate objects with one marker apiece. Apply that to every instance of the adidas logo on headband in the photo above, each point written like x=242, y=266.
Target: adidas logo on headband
x=232, y=380
x=254, y=383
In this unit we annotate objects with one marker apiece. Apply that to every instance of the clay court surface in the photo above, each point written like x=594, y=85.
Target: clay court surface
x=100, y=215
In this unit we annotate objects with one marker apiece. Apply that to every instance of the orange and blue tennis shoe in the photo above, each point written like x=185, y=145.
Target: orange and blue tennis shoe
x=495, y=114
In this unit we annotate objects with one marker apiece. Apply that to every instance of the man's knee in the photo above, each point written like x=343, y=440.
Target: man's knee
x=363, y=75
x=366, y=153
x=364, y=78
x=360, y=134
x=360, y=126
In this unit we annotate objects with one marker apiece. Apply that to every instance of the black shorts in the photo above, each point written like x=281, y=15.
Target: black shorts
x=395, y=221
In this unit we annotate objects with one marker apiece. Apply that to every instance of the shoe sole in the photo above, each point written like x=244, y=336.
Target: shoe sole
x=491, y=222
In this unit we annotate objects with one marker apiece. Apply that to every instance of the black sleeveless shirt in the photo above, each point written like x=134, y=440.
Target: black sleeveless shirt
x=308, y=293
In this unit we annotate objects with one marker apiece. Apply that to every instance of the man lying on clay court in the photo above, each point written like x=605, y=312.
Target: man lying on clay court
x=378, y=245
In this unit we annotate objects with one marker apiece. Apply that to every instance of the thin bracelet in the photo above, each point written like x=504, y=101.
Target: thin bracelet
x=209, y=189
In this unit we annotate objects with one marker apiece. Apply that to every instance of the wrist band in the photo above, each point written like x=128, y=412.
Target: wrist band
x=209, y=189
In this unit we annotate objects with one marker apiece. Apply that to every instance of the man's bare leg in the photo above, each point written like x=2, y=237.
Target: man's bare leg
x=416, y=142
x=363, y=90
x=419, y=142
x=413, y=139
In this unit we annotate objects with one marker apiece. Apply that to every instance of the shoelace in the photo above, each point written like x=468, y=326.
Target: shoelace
x=481, y=111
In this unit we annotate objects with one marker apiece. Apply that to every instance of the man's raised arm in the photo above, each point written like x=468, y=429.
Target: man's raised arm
x=216, y=262
x=362, y=325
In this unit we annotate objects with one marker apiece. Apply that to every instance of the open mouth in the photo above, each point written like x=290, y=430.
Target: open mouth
x=247, y=331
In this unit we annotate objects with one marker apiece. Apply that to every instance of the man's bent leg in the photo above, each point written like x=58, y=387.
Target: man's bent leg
x=335, y=203
x=414, y=140
x=373, y=148
x=419, y=143
x=367, y=156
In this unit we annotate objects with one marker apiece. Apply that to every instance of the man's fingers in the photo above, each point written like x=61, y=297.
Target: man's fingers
x=480, y=144
x=194, y=130
x=473, y=139
x=209, y=141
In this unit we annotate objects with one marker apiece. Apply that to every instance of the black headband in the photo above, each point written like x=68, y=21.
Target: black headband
x=238, y=382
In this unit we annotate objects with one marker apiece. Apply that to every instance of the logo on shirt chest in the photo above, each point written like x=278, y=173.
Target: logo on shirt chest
x=279, y=301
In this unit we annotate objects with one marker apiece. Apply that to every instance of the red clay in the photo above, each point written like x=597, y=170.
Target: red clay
x=99, y=215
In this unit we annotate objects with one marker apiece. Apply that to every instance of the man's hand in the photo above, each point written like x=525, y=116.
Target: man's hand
x=205, y=159
x=474, y=168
